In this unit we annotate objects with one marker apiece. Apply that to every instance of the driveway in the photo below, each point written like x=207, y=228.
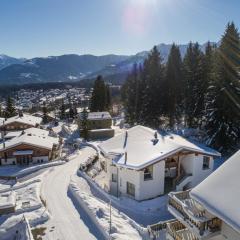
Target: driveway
x=66, y=222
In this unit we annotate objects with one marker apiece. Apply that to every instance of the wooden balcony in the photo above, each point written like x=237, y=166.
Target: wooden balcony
x=188, y=211
x=179, y=232
x=157, y=230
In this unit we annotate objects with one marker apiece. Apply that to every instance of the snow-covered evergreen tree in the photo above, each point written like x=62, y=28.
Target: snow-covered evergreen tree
x=223, y=109
x=194, y=85
x=173, y=86
x=152, y=98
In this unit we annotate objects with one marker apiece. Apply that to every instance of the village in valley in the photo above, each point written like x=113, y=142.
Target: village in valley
x=129, y=182
x=140, y=147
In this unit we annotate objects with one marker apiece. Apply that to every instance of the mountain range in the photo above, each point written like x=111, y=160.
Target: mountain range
x=72, y=67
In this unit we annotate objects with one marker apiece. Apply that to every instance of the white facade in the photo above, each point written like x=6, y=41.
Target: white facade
x=169, y=161
x=209, y=210
x=9, y=161
x=118, y=177
x=193, y=164
x=144, y=189
x=40, y=159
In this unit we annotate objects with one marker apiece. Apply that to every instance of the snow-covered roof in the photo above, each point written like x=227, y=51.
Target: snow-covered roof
x=220, y=192
x=143, y=151
x=32, y=136
x=12, y=134
x=7, y=200
x=26, y=119
x=32, y=131
x=98, y=115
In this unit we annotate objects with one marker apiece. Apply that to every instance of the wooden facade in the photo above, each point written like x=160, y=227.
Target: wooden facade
x=15, y=126
x=29, y=152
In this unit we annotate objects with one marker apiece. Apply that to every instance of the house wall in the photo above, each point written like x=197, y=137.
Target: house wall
x=40, y=159
x=16, y=126
x=229, y=233
x=99, y=124
x=194, y=164
x=37, y=152
x=9, y=161
x=143, y=189
x=127, y=175
x=155, y=187
x=100, y=134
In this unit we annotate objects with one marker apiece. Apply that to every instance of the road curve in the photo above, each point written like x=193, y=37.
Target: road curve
x=65, y=223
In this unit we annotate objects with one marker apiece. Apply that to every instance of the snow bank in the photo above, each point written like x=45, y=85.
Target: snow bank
x=20, y=185
x=27, y=205
x=145, y=213
x=122, y=226
x=7, y=200
x=20, y=231
x=16, y=171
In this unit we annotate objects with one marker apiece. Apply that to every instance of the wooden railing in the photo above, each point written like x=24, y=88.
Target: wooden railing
x=176, y=204
x=179, y=232
x=155, y=229
x=210, y=226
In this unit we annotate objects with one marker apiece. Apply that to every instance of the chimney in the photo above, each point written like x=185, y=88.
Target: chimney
x=125, y=161
x=156, y=135
x=20, y=113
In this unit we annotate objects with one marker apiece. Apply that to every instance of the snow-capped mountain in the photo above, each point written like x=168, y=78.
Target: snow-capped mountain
x=7, y=61
x=73, y=67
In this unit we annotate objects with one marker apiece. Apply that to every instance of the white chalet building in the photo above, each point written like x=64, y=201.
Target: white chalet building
x=211, y=209
x=143, y=164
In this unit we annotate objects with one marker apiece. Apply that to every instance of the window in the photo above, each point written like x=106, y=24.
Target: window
x=148, y=173
x=130, y=189
x=114, y=177
x=206, y=162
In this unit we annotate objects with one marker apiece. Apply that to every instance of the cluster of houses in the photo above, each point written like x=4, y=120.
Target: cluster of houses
x=142, y=164
x=26, y=99
x=23, y=141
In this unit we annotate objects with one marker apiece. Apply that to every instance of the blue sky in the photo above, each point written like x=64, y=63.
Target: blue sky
x=31, y=28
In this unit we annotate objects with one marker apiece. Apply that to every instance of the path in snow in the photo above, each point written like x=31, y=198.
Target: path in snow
x=66, y=222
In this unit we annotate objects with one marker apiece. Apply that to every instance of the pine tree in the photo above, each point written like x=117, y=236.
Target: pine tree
x=45, y=118
x=194, y=85
x=84, y=124
x=223, y=111
x=62, y=110
x=172, y=88
x=1, y=114
x=98, y=99
x=108, y=97
x=130, y=96
x=71, y=113
x=10, y=109
x=152, y=95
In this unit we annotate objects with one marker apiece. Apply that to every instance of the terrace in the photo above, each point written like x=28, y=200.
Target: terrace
x=177, y=231
x=193, y=215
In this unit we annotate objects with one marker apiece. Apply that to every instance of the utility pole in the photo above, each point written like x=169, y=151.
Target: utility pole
x=110, y=219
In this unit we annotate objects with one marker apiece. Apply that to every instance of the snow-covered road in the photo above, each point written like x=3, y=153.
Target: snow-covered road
x=66, y=222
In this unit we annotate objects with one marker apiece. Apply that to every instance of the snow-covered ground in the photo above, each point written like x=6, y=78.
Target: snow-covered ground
x=66, y=222
x=28, y=205
x=20, y=171
x=122, y=227
x=144, y=212
x=20, y=231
